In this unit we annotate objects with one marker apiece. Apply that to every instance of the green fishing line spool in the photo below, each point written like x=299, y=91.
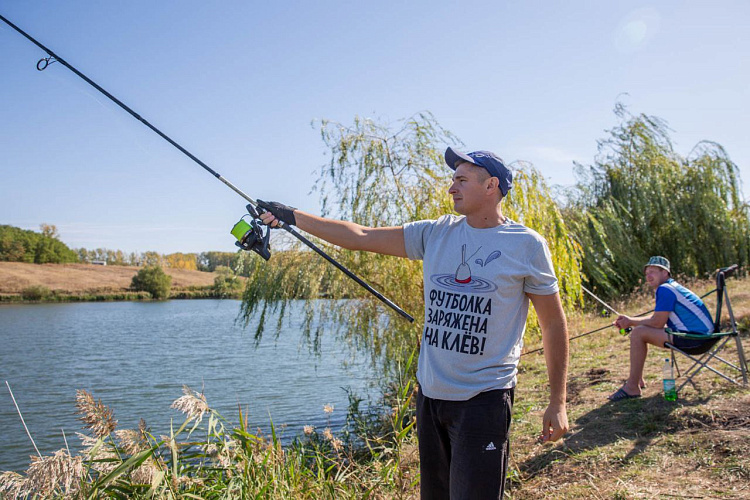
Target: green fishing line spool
x=250, y=236
x=241, y=229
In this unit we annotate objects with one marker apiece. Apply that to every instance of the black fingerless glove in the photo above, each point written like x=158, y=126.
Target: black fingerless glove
x=282, y=212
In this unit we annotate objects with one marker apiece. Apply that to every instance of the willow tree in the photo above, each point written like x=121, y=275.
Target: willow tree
x=641, y=198
x=378, y=176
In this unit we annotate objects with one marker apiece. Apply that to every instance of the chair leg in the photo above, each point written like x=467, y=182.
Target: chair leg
x=740, y=351
x=702, y=362
x=743, y=360
x=674, y=362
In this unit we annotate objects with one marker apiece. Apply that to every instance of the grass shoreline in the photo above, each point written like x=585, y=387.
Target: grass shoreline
x=56, y=296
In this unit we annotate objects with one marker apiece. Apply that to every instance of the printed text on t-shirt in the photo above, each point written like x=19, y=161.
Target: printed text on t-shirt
x=457, y=322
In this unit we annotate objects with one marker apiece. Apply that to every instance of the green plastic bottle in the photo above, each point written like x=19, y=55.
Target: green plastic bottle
x=670, y=389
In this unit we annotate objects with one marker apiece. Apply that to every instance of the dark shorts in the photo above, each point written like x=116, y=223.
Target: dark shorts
x=685, y=343
x=463, y=445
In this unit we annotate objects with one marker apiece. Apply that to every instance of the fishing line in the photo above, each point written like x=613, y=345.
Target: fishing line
x=22, y=420
x=258, y=241
x=600, y=300
x=572, y=338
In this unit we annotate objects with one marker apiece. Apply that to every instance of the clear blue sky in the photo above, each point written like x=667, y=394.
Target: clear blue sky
x=238, y=83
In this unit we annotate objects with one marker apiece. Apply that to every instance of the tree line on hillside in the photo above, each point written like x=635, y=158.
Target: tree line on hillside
x=21, y=245
x=204, y=261
x=45, y=247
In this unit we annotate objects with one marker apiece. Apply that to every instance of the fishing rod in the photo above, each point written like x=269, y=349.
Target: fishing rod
x=623, y=331
x=600, y=300
x=250, y=236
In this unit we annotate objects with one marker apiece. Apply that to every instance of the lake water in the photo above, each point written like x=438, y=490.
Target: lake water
x=136, y=356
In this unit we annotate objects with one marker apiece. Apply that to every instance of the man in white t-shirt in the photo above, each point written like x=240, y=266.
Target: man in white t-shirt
x=480, y=271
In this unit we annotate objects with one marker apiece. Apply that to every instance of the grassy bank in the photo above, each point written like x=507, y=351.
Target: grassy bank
x=35, y=296
x=696, y=447
x=39, y=295
x=23, y=282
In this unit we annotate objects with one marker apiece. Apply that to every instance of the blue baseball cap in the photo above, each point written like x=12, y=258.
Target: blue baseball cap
x=485, y=159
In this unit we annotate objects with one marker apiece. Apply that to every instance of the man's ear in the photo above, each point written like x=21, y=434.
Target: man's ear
x=493, y=183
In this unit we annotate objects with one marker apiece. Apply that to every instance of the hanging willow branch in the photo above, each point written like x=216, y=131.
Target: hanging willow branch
x=641, y=198
x=380, y=177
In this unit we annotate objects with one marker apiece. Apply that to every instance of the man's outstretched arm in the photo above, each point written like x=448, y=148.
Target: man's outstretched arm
x=555, y=340
x=383, y=240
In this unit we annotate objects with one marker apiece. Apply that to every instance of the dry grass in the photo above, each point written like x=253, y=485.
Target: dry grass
x=698, y=447
x=86, y=278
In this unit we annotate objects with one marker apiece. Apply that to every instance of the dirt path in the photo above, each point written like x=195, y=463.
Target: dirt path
x=76, y=278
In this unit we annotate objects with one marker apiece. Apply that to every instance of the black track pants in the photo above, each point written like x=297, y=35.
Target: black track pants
x=463, y=445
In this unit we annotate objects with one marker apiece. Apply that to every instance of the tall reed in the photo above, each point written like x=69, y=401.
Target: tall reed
x=208, y=457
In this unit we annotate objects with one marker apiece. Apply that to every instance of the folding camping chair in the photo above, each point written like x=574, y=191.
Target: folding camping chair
x=709, y=350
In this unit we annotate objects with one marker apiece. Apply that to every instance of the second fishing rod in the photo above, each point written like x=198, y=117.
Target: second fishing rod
x=250, y=235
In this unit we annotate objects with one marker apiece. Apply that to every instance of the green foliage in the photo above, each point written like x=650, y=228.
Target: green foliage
x=21, y=245
x=175, y=260
x=641, y=198
x=37, y=292
x=209, y=261
x=227, y=283
x=154, y=280
x=57, y=296
x=152, y=258
x=111, y=257
x=380, y=177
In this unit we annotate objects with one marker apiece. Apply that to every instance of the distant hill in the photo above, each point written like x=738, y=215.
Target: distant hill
x=80, y=278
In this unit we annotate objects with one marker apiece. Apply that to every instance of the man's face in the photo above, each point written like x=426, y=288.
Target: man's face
x=655, y=276
x=469, y=188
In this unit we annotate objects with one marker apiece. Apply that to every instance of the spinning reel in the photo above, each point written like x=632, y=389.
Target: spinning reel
x=250, y=235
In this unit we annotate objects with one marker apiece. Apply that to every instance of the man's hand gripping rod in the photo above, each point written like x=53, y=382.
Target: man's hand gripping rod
x=290, y=229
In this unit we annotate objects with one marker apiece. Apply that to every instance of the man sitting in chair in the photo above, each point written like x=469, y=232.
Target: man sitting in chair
x=677, y=308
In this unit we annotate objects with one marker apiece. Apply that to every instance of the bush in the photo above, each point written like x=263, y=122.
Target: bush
x=36, y=292
x=154, y=280
x=226, y=284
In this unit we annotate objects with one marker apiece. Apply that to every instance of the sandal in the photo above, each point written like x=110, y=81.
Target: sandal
x=621, y=394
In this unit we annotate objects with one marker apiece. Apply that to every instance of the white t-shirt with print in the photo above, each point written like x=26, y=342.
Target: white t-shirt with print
x=475, y=285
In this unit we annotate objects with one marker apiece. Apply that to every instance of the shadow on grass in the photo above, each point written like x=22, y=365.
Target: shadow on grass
x=642, y=420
